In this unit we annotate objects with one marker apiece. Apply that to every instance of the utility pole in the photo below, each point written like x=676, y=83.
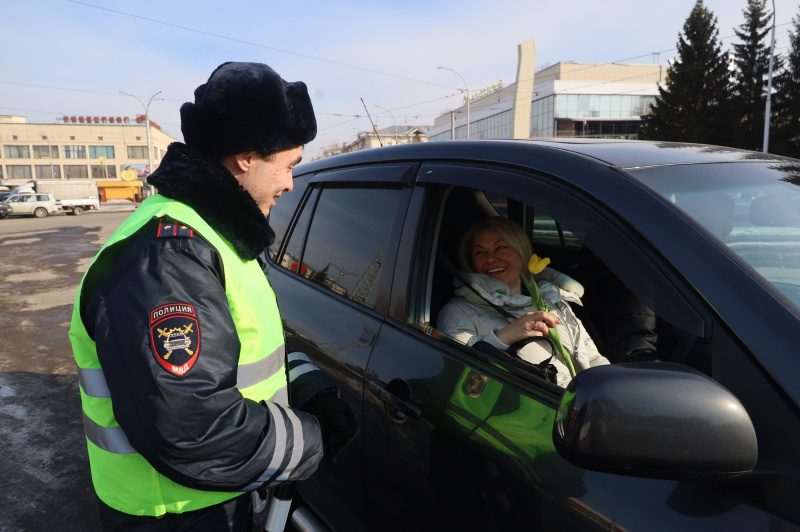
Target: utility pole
x=768, y=109
x=466, y=89
x=146, y=125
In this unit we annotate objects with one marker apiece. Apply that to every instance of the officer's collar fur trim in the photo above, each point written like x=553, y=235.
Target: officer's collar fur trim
x=212, y=191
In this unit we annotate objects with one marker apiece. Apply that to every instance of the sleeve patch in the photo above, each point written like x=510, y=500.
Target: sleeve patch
x=175, y=337
x=169, y=228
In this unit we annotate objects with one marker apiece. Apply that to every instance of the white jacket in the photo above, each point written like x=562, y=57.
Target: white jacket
x=469, y=319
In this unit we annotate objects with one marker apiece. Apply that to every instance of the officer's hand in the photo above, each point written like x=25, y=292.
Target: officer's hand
x=337, y=421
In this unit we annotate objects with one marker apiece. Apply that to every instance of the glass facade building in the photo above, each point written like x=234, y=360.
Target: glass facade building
x=492, y=127
x=567, y=99
x=582, y=115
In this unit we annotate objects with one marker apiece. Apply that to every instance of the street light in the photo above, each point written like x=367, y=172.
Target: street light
x=147, y=125
x=768, y=109
x=394, y=122
x=466, y=88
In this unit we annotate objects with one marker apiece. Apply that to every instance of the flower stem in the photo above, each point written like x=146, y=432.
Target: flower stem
x=538, y=302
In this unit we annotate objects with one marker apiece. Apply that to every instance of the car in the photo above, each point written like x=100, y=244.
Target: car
x=702, y=434
x=32, y=204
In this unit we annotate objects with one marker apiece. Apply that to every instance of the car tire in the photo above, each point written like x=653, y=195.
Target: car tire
x=77, y=211
x=3, y=216
x=40, y=212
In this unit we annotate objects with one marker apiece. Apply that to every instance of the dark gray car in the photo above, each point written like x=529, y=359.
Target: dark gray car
x=690, y=260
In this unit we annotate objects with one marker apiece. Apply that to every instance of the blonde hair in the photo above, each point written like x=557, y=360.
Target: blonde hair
x=510, y=231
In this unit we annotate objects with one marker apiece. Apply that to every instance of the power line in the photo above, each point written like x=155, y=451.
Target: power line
x=255, y=44
x=40, y=86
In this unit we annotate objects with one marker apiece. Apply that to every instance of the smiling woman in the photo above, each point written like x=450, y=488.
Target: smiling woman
x=490, y=305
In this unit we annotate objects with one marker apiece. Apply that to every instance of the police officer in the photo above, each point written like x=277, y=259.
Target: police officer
x=176, y=332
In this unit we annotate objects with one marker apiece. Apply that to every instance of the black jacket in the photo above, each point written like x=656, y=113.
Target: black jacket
x=196, y=429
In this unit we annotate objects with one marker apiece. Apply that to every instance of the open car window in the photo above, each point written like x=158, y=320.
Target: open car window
x=629, y=307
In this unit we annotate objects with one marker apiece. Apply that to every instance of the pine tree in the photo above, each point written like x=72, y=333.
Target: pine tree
x=786, y=106
x=751, y=57
x=693, y=106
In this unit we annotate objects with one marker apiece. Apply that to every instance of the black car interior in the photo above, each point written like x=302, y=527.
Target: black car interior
x=624, y=328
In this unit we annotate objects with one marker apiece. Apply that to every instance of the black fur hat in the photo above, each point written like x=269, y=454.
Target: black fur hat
x=244, y=107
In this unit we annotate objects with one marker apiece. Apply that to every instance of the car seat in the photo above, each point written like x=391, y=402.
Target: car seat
x=459, y=209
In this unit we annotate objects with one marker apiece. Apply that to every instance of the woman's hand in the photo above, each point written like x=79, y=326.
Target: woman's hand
x=528, y=325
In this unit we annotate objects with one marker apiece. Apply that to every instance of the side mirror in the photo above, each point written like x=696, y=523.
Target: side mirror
x=654, y=420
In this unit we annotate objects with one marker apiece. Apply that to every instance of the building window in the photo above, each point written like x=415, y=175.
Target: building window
x=48, y=171
x=44, y=137
x=107, y=171
x=139, y=138
x=99, y=138
x=19, y=171
x=137, y=152
x=17, y=152
x=72, y=137
x=74, y=152
x=95, y=152
x=76, y=171
x=13, y=137
x=45, y=152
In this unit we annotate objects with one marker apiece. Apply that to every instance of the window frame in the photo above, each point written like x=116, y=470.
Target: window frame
x=391, y=175
x=410, y=294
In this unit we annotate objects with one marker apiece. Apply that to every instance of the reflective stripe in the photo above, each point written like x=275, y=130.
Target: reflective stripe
x=281, y=396
x=93, y=382
x=302, y=369
x=261, y=370
x=297, y=355
x=298, y=443
x=111, y=439
x=279, y=452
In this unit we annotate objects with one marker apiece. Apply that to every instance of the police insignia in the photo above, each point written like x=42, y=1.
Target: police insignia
x=169, y=228
x=175, y=337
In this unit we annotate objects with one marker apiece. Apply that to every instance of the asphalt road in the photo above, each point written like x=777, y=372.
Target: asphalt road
x=43, y=466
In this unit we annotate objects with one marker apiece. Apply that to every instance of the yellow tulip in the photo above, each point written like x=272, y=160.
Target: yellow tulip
x=537, y=264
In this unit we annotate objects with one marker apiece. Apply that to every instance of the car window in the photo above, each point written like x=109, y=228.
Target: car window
x=348, y=238
x=292, y=256
x=546, y=231
x=629, y=307
x=751, y=208
x=281, y=214
x=42, y=198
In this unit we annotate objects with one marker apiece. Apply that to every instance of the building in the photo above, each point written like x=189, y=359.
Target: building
x=389, y=136
x=103, y=148
x=568, y=99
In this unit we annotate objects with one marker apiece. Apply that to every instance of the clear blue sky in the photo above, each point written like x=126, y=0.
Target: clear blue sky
x=68, y=57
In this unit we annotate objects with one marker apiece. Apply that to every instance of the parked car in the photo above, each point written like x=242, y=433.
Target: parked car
x=705, y=239
x=30, y=203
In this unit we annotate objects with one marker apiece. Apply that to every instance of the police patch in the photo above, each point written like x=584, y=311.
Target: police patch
x=175, y=337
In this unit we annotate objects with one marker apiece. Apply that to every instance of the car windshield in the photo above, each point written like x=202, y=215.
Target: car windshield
x=752, y=208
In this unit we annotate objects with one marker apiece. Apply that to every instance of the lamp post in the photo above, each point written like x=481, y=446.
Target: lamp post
x=394, y=122
x=768, y=108
x=466, y=89
x=146, y=124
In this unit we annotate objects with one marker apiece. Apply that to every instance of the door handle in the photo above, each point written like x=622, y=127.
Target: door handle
x=404, y=406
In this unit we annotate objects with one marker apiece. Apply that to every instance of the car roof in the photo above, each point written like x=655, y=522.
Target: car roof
x=626, y=154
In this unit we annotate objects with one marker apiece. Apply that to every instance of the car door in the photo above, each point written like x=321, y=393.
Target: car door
x=332, y=277
x=22, y=204
x=461, y=439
